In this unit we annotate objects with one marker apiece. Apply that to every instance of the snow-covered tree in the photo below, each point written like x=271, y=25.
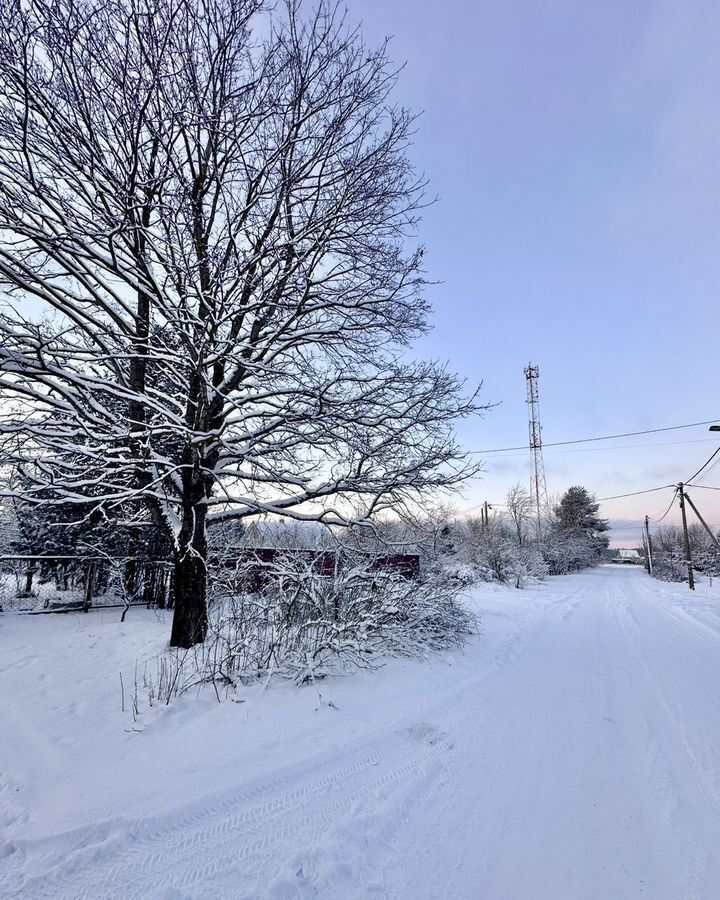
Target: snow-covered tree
x=577, y=535
x=519, y=507
x=670, y=559
x=204, y=217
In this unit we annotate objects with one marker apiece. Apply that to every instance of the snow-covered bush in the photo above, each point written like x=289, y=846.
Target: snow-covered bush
x=669, y=566
x=567, y=553
x=303, y=623
x=669, y=556
x=466, y=574
x=299, y=623
x=527, y=564
x=492, y=551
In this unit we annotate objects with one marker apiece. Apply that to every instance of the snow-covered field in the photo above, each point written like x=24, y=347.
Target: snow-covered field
x=571, y=752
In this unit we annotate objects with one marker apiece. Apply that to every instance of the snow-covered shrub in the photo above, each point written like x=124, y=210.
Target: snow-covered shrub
x=493, y=552
x=564, y=553
x=527, y=564
x=299, y=623
x=465, y=574
x=669, y=566
x=669, y=557
x=707, y=561
x=303, y=623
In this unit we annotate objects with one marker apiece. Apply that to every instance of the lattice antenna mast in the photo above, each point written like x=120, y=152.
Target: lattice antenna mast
x=538, y=488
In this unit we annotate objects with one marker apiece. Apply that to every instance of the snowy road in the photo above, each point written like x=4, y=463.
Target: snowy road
x=572, y=753
x=589, y=767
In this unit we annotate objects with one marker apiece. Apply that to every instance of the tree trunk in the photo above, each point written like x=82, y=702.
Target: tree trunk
x=130, y=572
x=190, y=620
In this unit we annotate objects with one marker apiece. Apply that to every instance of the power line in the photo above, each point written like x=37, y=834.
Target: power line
x=464, y=512
x=605, y=437
x=670, y=506
x=608, y=449
x=703, y=466
x=686, y=483
x=708, y=471
x=663, y=487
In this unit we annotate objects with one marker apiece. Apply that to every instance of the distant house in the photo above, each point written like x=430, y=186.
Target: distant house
x=627, y=558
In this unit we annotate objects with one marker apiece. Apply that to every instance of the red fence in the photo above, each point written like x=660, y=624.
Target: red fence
x=263, y=563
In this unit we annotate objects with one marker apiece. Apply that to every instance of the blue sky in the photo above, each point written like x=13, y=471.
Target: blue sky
x=575, y=150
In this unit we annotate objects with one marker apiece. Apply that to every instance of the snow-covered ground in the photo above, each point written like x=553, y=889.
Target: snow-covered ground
x=570, y=752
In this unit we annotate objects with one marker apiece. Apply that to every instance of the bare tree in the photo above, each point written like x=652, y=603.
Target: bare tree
x=204, y=220
x=519, y=507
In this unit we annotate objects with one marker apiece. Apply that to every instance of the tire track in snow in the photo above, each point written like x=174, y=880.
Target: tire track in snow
x=238, y=829
x=667, y=739
x=488, y=740
x=585, y=788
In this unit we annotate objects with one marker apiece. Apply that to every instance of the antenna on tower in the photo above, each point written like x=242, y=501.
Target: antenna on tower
x=538, y=488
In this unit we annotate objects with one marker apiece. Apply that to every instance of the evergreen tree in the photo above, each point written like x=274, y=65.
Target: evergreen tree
x=577, y=523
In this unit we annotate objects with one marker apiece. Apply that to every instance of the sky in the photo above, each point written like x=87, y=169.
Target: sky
x=574, y=149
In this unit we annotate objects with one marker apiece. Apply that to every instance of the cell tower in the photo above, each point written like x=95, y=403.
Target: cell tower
x=538, y=488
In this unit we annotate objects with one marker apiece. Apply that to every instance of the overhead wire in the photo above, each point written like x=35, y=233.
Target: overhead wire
x=608, y=449
x=710, y=469
x=632, y=434
x=605, y=437
x=470, y=509
x=703, y=467
x=670, y=506
x=662, y=487
x=688, y=483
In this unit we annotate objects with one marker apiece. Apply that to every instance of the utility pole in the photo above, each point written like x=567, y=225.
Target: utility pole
x=691, y=580
x=702, y=521
x=648, y=544
x=484, y=514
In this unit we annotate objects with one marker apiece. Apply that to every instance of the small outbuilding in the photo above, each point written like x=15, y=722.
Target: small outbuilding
x=627, y=558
